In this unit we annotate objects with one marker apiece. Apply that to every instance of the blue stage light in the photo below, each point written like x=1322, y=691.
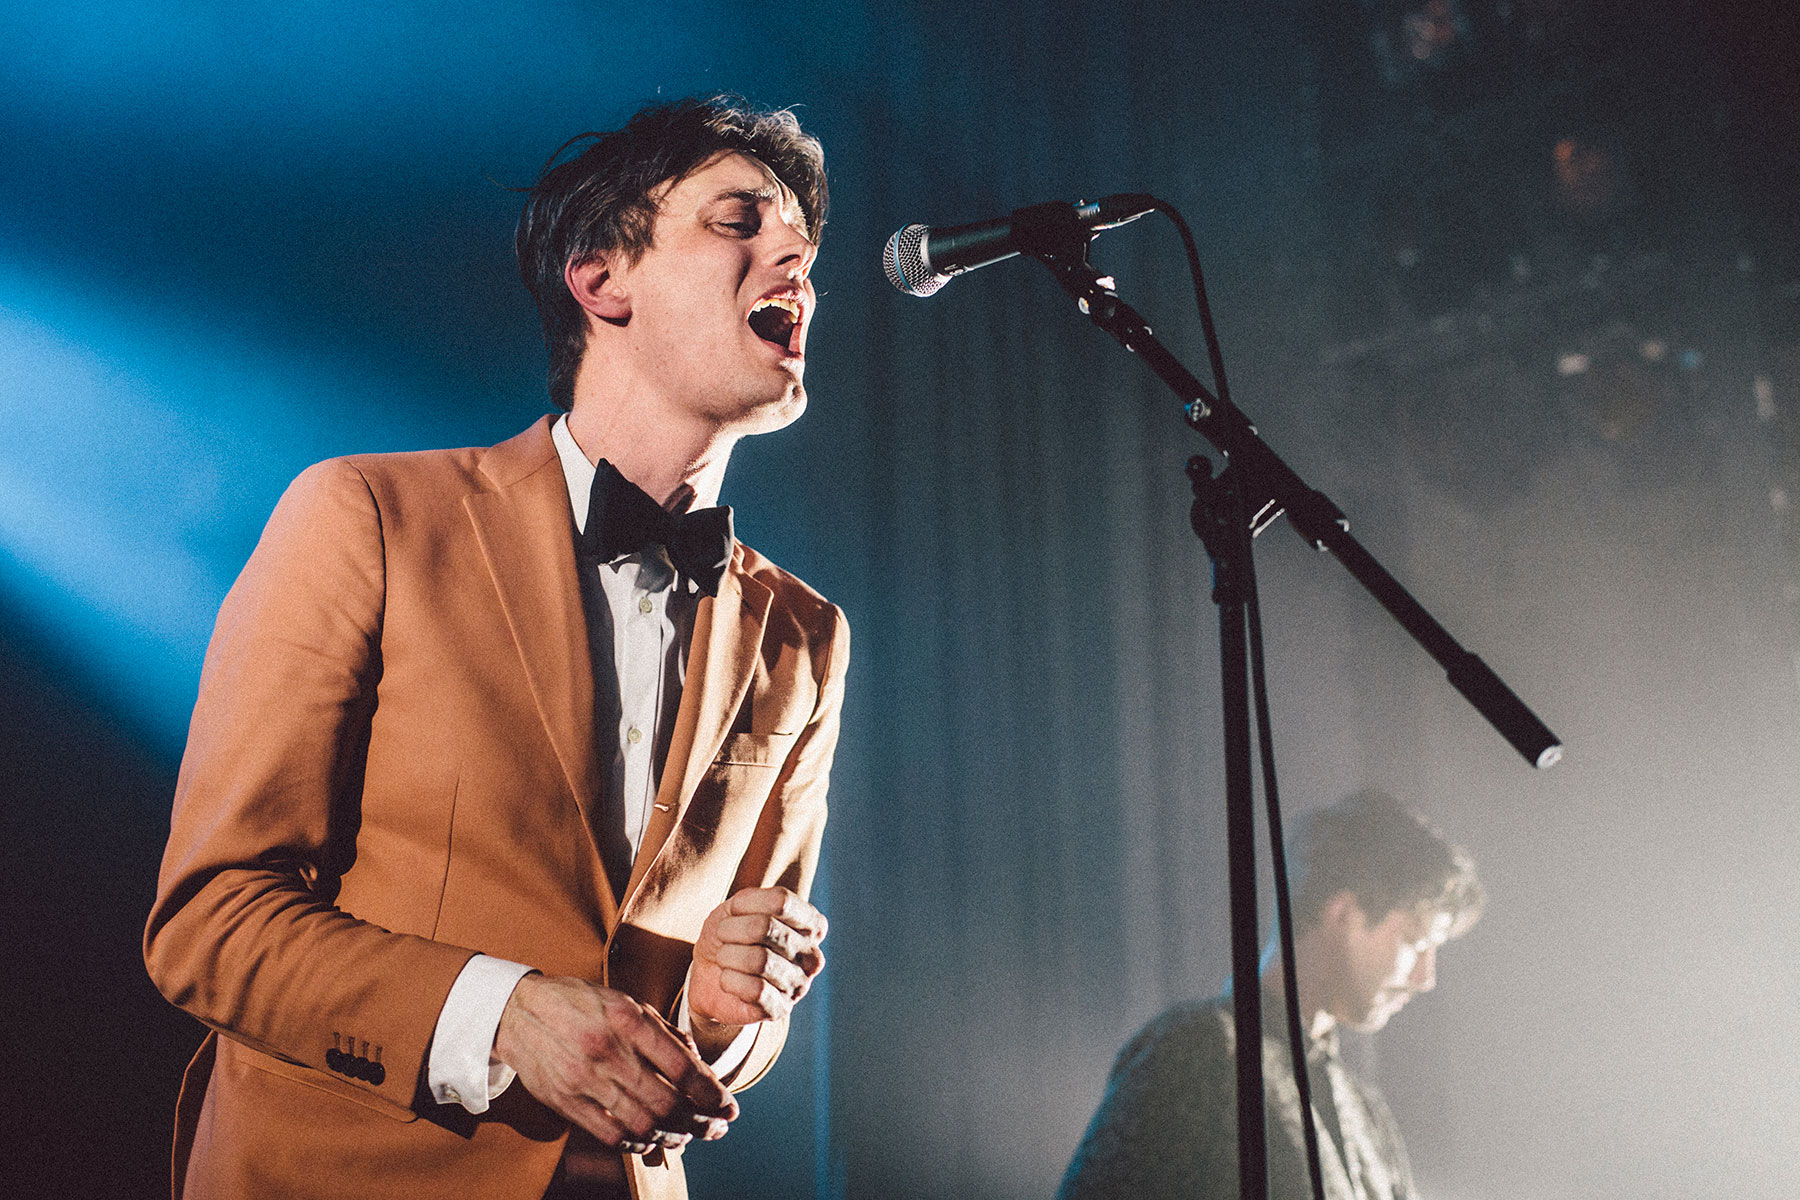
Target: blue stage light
x=142, y=453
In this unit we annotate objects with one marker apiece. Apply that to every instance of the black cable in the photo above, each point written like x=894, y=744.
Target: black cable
x=1213, y=354
x=1284, y=913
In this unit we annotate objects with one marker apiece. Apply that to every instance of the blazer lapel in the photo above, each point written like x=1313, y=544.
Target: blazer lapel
x=527, y=538
x=728, y=633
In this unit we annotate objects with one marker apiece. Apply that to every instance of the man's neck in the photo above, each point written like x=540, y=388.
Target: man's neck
x=1315, y=1019
x=667, y=458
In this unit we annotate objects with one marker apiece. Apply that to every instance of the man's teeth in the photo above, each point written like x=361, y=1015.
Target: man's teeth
x=773, y=319
x=782, y=302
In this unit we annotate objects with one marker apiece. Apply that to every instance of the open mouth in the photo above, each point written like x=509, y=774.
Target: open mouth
x=775, y=319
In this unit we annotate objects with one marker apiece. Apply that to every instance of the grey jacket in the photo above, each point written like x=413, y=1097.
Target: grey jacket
x=1167, y=1125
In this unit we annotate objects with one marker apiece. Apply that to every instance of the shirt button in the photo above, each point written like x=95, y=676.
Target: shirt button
x=644, y=604
x=634, y=735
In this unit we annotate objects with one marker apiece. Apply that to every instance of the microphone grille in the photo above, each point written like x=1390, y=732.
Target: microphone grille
x=904, y=260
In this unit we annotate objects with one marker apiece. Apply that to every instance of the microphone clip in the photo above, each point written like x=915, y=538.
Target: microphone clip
x=1055, y=235
x=1053, y=231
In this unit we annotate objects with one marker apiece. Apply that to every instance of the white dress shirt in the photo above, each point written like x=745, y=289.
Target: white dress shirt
x=640, y=618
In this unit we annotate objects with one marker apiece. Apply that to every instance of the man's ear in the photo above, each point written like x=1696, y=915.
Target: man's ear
x=598, y=290
x=1342, y=910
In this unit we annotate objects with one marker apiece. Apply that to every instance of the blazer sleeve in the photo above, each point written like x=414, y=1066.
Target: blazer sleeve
x=244, y=933
x=784, y=850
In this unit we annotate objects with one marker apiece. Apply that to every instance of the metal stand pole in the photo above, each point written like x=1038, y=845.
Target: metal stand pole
x=1218, y=517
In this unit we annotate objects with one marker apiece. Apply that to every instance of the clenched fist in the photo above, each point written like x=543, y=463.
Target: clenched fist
x=757, y=954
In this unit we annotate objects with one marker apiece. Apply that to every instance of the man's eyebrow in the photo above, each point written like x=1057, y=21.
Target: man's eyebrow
x=768, y=193
x=749, y=195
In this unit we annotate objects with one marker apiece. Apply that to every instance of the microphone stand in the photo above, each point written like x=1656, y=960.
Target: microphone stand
x=1230, y=509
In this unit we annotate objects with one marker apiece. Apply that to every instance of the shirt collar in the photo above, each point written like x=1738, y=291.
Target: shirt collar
x=1320, y=1047
x=578, y=472
x=654, y=571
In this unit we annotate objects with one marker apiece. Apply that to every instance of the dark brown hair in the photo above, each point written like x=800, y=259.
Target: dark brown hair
x=600, y=200
x=1385, y=855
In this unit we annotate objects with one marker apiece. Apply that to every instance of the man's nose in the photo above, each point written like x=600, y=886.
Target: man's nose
x=794, y=251
x=1424, y=972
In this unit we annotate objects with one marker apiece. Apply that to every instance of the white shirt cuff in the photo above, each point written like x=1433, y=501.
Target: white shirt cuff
x=733, y=1056
x=462, y=1068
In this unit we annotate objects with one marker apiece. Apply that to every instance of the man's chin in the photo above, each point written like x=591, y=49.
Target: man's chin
x=1379, y=1015
x=777, y=413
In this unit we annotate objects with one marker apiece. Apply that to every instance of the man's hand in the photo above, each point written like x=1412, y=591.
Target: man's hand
x=757, y=955
x=610, y=1065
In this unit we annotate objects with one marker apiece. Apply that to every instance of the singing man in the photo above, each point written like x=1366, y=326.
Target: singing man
x=504, y=791
x=1376, y=892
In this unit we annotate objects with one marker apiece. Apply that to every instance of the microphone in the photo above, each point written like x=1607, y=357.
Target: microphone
x=919, y=259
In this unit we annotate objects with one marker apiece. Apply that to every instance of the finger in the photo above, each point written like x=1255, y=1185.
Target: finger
x=658, y=1117
x=677, y=1060
x=762, y=962
x=603, y=1126
x=639, y=1055
x=728, y=1008
x=781, y=903
x=700, y=1090
x=628, y=1144
x=671, y=1117
x=766, y=1000
x=628, y=1072
x=672, y=1139
x=811, y=961
x=631, y=1143
x=759, y=930
x=649, y=1109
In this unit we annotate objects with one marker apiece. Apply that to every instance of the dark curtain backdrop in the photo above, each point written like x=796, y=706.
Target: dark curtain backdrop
x=1554, y=386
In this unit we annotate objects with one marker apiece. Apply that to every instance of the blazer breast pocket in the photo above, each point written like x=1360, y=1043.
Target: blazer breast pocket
x=754, y=750
x=738, y=782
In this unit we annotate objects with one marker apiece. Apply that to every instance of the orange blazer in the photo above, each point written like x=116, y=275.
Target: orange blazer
x=391, y=767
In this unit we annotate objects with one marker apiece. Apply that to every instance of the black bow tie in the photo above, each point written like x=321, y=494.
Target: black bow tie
x=622, y=520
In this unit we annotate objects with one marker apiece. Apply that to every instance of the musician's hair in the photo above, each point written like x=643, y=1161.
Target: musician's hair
x=1384, y=854
x=601, y=200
